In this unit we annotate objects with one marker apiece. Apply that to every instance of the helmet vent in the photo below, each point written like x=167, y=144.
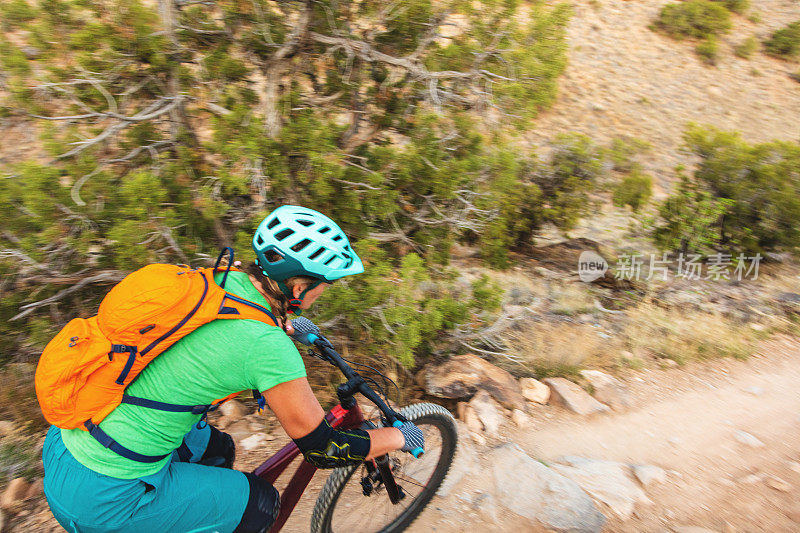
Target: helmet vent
x=329, y=261
x=273, y=257
x=337, y=238
x=272, y=223
x=283, y=234
x=300, y=245
x=305, y=223
x=326, y=229
x=259, y=240
x=317, y=253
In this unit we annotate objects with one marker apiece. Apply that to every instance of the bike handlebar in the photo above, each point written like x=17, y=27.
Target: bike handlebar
x=306, y=332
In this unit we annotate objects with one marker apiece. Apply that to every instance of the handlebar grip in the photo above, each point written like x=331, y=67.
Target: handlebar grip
x=416, y=452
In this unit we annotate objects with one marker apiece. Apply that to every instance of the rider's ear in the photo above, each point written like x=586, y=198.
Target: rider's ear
x=298, y=289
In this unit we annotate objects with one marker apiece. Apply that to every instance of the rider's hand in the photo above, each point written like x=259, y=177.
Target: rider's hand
x=289, y=328
x=412, y=436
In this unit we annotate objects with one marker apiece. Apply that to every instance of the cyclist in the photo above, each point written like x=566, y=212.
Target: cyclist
x=91, y=488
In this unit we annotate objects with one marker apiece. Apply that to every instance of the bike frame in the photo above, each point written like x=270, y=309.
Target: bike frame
x=272, y=468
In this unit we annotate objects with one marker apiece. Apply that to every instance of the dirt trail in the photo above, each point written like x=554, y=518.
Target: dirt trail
x=684, y=421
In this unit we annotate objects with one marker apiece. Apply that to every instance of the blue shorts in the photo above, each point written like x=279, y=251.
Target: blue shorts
x=181, y=497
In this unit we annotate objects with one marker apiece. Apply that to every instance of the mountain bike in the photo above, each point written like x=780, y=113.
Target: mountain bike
x=385, y=494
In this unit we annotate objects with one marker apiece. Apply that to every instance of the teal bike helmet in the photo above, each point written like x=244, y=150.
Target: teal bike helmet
x=297, y=241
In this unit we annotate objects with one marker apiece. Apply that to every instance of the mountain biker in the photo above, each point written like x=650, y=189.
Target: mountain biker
x=91, y=488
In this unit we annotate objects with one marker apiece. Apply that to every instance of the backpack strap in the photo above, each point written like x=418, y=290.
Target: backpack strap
x=103, y=438
x=226, y=311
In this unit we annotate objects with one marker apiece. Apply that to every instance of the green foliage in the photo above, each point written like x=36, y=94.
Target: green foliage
x=746, y=48
x=634, y=190
x=755, y=187
x=395, y=308
x=785, y=43
x=690, y=219
x=486, y=294
x=737, y=6
x=15, y=13
x=699, y=19
x=623, y=152
x=708, y=50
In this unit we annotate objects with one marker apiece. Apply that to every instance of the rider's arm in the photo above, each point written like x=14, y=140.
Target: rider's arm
x=301, y=415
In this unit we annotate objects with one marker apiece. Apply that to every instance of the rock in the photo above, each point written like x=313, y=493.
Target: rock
x=35, y=489
x=253, y=441
x=534, y=390
x=14, y=493
x=2, y=521
x=755, y=391
x=788, y=298
x=6, y=428
x=31, y=52
x=608, y=390
x=488, y=412
x=794, y=466
x=462, y=376
x=548, y=497
x=234, y=410
x=463, y=464
x=520, y=418
x=573, y=397
x=479, y=439
x=693, y=529
x=774, y=482
x=606, y=481
x=461, y=410
x=748, y=440
x=472, y=421
x=239, y=430
x=649, y=474
x=751, y=479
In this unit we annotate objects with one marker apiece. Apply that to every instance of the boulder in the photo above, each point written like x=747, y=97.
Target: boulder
x=15, y=492
x=520, y=418
x=748, y=440
x=608, y=389
x=534, y=390
x=233, y=410
x=606, y=481
x=488, y=412
x=462, y=376
x=573, y=397
x=649, y=474
x=548, y=498
x=35, y=489
x=253, y=442
x=471, y=420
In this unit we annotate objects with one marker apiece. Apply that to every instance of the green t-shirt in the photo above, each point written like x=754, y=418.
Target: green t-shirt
x=217, y=359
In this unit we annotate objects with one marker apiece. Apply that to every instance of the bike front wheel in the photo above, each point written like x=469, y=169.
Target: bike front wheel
x=352, y=501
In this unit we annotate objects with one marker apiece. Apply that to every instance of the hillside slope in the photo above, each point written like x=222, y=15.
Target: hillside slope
x=625, y=79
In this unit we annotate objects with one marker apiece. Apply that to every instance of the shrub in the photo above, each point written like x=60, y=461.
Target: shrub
x=741, y=195
x=708, y=50
x=697, y=18
x=623, y=152
x=746, y=48
x=634, y=190
x=737, y=6
x=15, y=13
x=690, y=219
x=785, y=43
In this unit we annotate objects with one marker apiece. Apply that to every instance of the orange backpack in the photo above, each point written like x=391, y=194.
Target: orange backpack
x=83, y=372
